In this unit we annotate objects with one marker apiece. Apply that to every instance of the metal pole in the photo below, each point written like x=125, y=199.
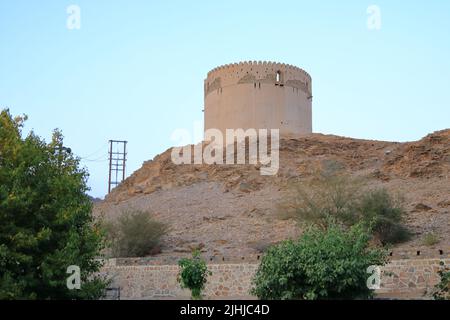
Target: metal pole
x=124, y=159
x=110, y=165
x=116, y=166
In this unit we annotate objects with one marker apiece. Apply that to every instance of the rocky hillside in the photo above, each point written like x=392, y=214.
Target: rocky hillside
x=231, y=209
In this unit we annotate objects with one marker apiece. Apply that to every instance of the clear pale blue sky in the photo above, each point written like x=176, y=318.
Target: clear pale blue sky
x=135, y=69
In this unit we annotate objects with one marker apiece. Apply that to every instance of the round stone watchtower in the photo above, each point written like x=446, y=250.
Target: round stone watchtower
x=259, y=95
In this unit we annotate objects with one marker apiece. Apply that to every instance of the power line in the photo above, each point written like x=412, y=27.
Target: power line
x=100, y=159
x=94, y=153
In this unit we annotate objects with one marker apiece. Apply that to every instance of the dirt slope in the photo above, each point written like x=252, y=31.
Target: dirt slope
x=231, y=209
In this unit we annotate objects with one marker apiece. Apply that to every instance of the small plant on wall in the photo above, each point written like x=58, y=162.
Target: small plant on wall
x=193, y=274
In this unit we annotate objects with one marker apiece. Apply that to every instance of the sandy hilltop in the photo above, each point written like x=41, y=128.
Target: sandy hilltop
x=231, y=209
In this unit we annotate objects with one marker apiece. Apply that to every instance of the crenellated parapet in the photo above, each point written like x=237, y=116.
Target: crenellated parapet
x=257, y=72
x=258, y=64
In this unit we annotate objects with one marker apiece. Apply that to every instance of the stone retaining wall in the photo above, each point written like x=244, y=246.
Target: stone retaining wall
x=412, y=278
x=228, y=281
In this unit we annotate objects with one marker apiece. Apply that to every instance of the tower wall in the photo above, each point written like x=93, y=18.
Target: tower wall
x=259, y=95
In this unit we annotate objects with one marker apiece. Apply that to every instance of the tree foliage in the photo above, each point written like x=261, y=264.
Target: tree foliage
x=442, y=289
x=46, y=223
x=322, y=264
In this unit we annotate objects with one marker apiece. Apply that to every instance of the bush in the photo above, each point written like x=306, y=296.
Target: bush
x=322, y=197
x=322, y=264
x=46, y=224
x=134, y=234
x=442, y=289
x=386, y=214
x=431, y=239
x=348, y=201
x=193, y=274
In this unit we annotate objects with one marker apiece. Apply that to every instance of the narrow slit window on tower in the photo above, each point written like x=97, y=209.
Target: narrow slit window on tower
x=278, y=76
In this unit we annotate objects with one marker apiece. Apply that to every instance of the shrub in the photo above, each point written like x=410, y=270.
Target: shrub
x=193, y=274
x=322, y=264
x=386, y=213
x=431, y=239
x=348, y=201
x=322, y=197
x=442, y=289
x=134, y=234
x=46, y=223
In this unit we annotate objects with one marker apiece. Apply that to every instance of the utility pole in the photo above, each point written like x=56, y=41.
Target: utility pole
x=117, y=162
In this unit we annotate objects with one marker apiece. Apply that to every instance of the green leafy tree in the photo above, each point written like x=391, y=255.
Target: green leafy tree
x=442, y=289
x=193, y=274
x=46, y=223
x=323, y=264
